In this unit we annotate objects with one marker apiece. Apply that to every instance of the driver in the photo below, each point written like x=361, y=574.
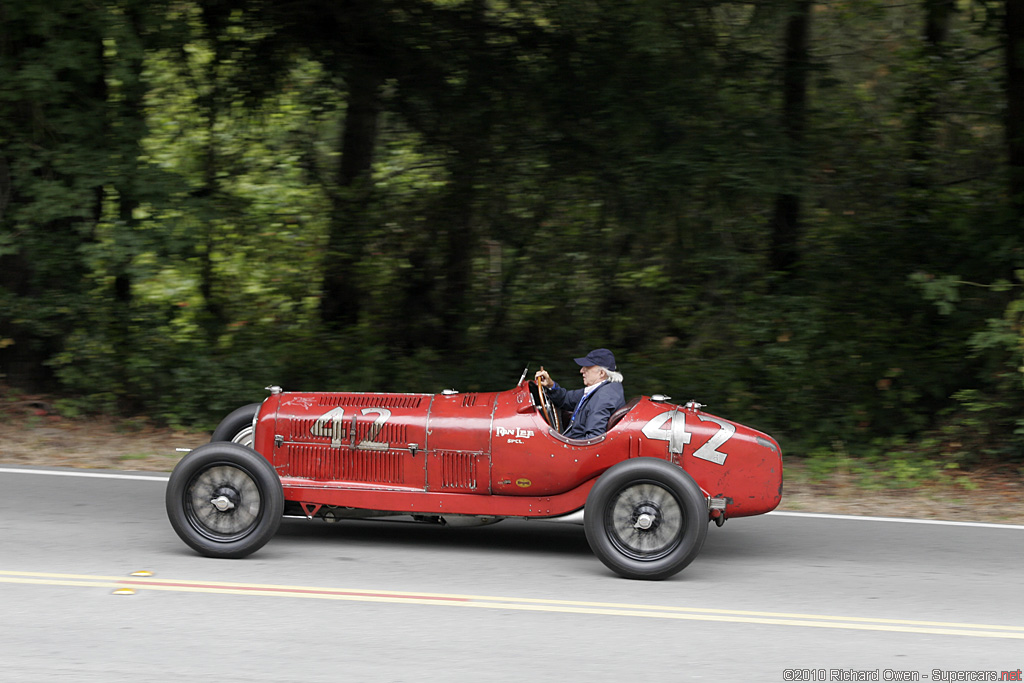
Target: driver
x=592, y=405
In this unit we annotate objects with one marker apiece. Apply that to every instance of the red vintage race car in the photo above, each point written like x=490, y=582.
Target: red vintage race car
x=644, y=491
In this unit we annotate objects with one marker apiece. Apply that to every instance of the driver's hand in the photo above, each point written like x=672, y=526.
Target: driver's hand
x=543, y=378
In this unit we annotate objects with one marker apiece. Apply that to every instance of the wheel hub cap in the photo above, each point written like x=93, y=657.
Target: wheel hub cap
x=226, y=498
x=646, y=517
x=644, y=522
x=222, y=503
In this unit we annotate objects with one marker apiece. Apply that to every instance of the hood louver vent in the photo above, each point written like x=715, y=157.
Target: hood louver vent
x=371, y=401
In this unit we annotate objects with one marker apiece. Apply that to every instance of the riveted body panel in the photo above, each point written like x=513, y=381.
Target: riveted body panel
x=494, y=454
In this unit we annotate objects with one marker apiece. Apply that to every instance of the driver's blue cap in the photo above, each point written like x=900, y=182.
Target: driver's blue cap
x=602, y=357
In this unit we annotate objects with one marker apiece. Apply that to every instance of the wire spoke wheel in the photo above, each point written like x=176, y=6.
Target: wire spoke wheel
x=645, y=521
x=244, y=437
x=646, y=518
x=223, y=502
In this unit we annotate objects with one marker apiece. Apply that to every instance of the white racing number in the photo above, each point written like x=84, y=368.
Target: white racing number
x=369, y=442
x=678, y=436
x=332, y=424
x=709, y=451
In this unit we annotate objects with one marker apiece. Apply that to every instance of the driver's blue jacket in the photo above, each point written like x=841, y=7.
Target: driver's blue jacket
x=591, y=418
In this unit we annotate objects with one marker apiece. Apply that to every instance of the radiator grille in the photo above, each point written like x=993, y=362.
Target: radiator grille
x=371, y=400
x=301, y=429
x=457, y=470
x=389, y=433
x=324, y=462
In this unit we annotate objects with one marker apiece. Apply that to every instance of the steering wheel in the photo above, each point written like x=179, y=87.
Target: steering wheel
x=551, y=413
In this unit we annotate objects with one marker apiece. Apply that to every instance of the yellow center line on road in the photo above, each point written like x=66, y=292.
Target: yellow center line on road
x=520, y=604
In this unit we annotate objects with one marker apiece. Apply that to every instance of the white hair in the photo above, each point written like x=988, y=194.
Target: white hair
x=611, y=375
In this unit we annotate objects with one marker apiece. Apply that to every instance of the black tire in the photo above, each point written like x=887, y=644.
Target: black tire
x=646, y=519
x=237, y=427
x=224, y=500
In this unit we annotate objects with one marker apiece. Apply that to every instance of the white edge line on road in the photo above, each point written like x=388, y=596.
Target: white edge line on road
x=94, y=475
x=777, y=513
x=904, y=520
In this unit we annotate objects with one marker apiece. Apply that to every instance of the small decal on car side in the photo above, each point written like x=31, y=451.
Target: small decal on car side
x=514, y=435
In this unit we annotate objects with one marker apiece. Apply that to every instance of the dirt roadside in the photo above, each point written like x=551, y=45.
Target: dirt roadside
x=32, y=434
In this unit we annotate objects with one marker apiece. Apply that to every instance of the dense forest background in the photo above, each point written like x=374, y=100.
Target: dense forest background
x=807, y=215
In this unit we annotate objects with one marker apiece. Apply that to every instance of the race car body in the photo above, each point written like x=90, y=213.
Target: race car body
x=645, y=490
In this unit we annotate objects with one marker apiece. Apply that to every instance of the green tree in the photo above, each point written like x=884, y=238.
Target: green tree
x=66, y=150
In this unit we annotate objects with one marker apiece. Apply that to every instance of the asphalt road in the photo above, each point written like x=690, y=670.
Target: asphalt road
x=774, y=598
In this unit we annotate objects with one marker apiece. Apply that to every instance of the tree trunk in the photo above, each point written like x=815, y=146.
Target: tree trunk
x=460, y=247
x=924, y=96
x=1014, y=28
x=785, y=225
x=341, y=297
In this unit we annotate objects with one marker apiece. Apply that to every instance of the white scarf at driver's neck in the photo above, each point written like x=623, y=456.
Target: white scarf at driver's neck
x=587, y=390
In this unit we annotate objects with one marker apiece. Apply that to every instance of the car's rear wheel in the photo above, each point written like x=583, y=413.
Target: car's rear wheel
x=646, y=519
x=224, y=500
x=237, y=427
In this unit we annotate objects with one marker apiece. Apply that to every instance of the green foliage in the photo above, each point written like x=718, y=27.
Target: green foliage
x=545, y=178
x=886, y=465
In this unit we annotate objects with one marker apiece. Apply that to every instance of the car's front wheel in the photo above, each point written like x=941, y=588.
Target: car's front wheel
x=237, y=427
x=224, y=500
x=646, y=519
